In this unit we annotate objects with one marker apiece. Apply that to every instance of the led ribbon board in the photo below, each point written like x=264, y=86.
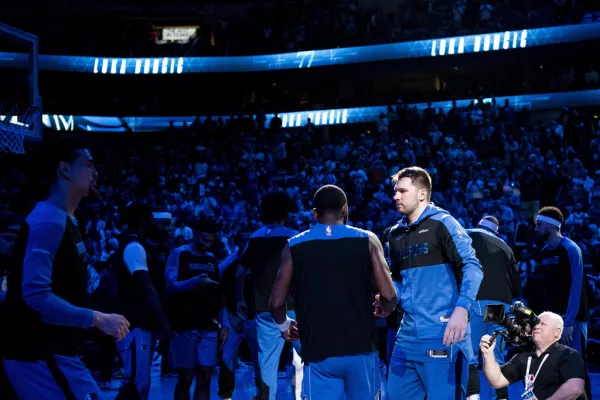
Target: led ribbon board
x=298, y=119
x=490, y=42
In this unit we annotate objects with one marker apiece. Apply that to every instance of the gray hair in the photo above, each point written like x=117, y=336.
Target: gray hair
x=557, y=319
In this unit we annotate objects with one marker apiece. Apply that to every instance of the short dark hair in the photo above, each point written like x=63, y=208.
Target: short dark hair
x=57, y=151
x=492, y=219
x=205, y=224
x=275, y=207
x=418, y=176
x=135, y=214
x=552, y=212
x=329, y=198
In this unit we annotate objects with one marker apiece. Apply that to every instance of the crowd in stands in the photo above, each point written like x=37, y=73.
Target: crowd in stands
x=288, y=26
x=345, y=23
x=284, y=93
x=484, y=159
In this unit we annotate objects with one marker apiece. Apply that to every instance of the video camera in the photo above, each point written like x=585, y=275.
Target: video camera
x=516, y=332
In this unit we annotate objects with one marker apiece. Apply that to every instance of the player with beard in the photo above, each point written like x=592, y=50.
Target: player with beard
x=195, y=301
x=561, y=263
x=437, y=276
x=47, y=289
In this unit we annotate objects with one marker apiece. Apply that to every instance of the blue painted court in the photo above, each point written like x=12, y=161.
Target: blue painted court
x=162, y=389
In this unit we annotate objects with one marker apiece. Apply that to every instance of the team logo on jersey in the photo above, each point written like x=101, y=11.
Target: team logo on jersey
x=201, y=267
x=551, y=260
x=413, y=251
x=460, y=232
x=328, y=231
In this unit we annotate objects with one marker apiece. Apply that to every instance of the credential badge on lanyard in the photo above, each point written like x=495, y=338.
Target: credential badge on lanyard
x=530, y=379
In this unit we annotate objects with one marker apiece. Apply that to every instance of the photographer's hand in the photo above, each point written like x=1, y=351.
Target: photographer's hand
x=457, y=326
x=487, y=348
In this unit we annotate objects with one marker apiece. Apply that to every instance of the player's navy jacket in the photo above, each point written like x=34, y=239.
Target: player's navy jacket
x=566, y=292
x=263, y=257
x=435, y=269
x=502, y=280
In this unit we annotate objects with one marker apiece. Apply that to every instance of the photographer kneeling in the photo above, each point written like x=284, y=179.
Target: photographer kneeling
x=551, y=371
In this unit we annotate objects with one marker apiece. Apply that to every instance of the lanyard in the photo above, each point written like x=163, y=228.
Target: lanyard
x=529, y=383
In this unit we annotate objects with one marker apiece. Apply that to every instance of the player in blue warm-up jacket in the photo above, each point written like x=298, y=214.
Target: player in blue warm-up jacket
x=47, y=299
x=437, y=277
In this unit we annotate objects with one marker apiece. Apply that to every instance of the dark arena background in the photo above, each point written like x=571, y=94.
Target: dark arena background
x=201, y=108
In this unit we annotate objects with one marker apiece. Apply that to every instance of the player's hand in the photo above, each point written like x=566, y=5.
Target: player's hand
x=236, y=323
x=457, y=326
x=567, y=335
x=242, y=309
x=292, y=332
x=203, y=279
x=224, y=334
x=485, y=346
x=111, y=324
x=378, y=309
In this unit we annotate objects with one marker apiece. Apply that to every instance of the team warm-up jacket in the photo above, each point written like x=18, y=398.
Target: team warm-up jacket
x=435, y=270
x=502, y=279
x=46, y=301
x=262, y=257
x=566, y=288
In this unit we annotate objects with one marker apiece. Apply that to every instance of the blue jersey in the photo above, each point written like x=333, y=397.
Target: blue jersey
x=434, y=269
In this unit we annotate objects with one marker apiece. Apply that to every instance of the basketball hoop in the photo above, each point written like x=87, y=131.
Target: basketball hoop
x=13, y=126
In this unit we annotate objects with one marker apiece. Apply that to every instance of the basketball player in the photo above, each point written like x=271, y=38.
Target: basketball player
x=47, y=289
x=261, y=259
x=139, y=302
x=562, y=264
x=238, y=328
x=438, y=277
x=158, y=245
x=500, y=285
x=195, y=302
x=338, y=331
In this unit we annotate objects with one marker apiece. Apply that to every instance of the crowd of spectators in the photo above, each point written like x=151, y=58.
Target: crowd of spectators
x=484, y=159
x=342, y=23
x=275, y=27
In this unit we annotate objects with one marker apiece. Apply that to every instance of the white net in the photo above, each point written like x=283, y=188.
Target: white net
x=11, y=141
x=13, y=127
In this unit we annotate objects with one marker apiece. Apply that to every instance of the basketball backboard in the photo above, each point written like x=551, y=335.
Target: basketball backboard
x=30, y=42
